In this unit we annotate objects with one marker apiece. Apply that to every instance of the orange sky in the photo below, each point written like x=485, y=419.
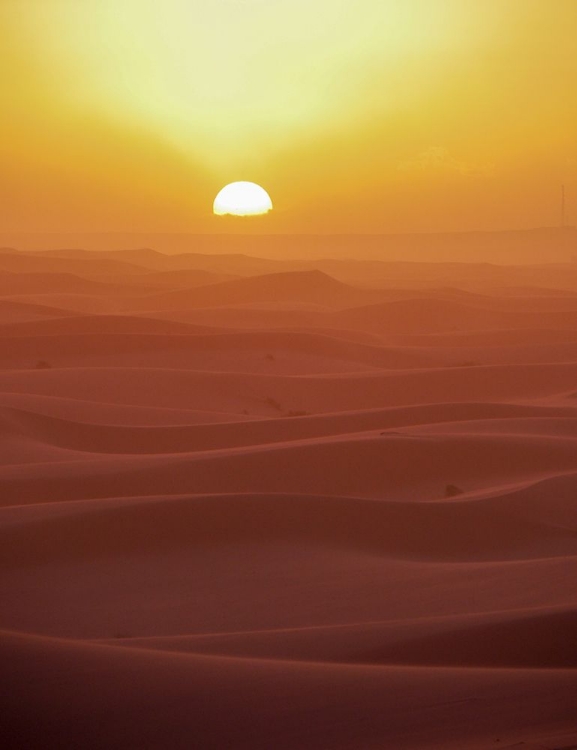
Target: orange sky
x=372, y=116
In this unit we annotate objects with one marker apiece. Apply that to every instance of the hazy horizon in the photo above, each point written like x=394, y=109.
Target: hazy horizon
x=537, y=245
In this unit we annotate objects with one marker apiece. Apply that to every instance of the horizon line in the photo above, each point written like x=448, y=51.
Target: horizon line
x=551, y=228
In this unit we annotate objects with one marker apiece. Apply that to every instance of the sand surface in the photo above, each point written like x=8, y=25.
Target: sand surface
x=251, y=503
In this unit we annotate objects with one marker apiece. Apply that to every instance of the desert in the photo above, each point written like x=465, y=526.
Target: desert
x=288, y=375
x=338, y=524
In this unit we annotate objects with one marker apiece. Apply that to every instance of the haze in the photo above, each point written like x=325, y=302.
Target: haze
x=374, y=116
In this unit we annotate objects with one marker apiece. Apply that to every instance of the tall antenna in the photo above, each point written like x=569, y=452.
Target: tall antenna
x=562, y=205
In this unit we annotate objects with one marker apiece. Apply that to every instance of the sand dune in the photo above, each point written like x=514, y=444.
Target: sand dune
x=45, y=419
x=296, y=351
x=180, y=278
x=114, y=414
x=513, y=639
x=313, y=287
x=389, y=466
x=496, y=527
x=368, y=702
x=235, y=263
x=440, y=316
x=66, y=283
x=315, y=394
x=511, y=338
x=271, y=315
x=85, y=304
x=459, y=272
x=253, y=503
x=45, y=263
x=130, y=342
x=170, y=581
x=16, y=311
x=97, y=324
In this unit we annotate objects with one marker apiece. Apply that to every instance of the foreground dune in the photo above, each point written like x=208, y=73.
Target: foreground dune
x=247, y=504
x=352, y=706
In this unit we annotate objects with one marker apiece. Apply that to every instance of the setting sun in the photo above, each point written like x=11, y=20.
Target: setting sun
x=242, y=199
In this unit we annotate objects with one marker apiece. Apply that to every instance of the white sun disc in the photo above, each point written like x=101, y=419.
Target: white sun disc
x=242, y=199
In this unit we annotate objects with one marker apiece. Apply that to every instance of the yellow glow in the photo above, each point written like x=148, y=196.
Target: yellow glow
x=231, y=78
x=367, y=116
x=242, y=199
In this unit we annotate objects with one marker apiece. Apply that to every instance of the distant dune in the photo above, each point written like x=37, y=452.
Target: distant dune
x=541, y=245
x=44, y=263
x=98, y=324
x=14, y=311
x=180, y=278
x=41, y=283
x=305, y=287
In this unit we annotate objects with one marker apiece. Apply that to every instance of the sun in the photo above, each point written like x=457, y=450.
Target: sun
x=242, y=199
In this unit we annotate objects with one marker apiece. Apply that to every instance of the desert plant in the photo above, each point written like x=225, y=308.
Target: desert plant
x=273, y=403
x=42, y=364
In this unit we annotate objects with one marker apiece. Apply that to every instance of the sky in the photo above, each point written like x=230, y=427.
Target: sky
x=373, y=116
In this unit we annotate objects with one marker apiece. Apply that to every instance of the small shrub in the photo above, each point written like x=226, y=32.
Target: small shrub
x=42, y=364
x=451, y=490
x=272, y=402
